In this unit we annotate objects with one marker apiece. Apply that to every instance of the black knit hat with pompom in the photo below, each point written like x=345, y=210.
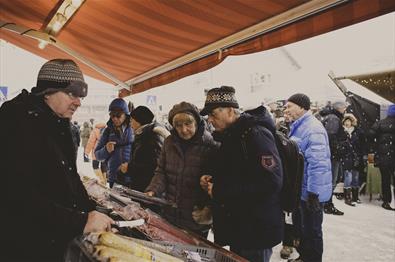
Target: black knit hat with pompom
x=223, y=96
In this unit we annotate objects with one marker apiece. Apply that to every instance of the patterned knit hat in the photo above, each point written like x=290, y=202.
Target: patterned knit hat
x=60, y=75
x=301, y=100
x=223, y=96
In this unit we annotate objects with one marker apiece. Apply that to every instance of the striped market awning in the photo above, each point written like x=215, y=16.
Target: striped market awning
x=138, y=45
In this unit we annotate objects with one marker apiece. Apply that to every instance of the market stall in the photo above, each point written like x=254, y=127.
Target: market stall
x=154, y=237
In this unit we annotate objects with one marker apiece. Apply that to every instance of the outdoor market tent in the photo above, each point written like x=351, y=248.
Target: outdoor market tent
x=138, y=45
x=381, y=83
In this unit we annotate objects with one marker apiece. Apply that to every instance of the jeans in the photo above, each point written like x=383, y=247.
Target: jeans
x=254, y=255
x=309, y=226
x=335, y=164
x=351, y=178
x=335, y=172
x=386, y=173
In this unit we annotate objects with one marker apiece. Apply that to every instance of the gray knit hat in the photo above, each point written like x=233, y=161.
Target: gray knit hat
x=60, y=75
x=223, y=96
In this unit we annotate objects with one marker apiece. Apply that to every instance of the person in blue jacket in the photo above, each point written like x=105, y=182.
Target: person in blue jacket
x=115, y=144
x=313, y=142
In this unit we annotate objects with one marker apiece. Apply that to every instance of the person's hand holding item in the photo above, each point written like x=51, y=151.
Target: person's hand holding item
x=150, y=193
x=110, y=146
x=98, y=222
x=204, y=180
x=124, y=167
x=210, y=189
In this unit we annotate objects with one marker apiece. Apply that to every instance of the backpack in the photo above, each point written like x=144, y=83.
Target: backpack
x=293, y=170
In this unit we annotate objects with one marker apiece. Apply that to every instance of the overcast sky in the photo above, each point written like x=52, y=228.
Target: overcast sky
x=362, y=48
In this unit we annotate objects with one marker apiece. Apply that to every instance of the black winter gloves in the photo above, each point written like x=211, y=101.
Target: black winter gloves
x=313, y=204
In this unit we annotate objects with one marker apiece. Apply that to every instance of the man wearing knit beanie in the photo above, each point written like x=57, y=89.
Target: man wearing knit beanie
x=61, y=83
x=312, y=140
x=301, y=100
x=246, y=178
x=54, y=199
x=60, y=75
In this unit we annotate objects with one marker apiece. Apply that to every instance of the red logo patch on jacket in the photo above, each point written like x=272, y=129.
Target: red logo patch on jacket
x=267, y=161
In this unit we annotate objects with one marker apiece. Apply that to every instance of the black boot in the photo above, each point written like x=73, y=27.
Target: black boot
x=331, y=209
x=355, y=195
x=387, y=206
x=347, y=197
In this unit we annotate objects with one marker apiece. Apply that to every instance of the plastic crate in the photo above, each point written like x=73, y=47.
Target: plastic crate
x=206, y=254
x=77, y=252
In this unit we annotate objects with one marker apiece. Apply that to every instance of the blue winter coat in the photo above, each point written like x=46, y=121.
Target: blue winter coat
x=121, y=154
x=312, y=140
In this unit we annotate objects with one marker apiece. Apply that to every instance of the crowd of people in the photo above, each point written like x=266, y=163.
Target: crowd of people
x=219, y=165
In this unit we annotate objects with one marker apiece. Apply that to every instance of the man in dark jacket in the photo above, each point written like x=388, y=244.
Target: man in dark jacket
x=46, y=204
x=247, y=178
x=332, y=121
x=384, y=132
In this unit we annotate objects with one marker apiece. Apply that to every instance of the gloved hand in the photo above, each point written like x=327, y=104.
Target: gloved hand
x=313, y=204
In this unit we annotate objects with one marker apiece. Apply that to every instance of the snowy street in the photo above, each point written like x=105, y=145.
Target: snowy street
x=365, y=233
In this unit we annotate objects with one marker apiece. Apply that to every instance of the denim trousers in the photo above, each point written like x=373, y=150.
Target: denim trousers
x=253, y=255
x=335, y=172
x=308, y=223
x=351, y=178
x=336, y=167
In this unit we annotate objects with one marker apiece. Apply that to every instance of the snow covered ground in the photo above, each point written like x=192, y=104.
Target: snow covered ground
x=365, y=233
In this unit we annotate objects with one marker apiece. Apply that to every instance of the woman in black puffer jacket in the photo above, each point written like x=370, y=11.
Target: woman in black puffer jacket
x=351, y=158
x=148, y=142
